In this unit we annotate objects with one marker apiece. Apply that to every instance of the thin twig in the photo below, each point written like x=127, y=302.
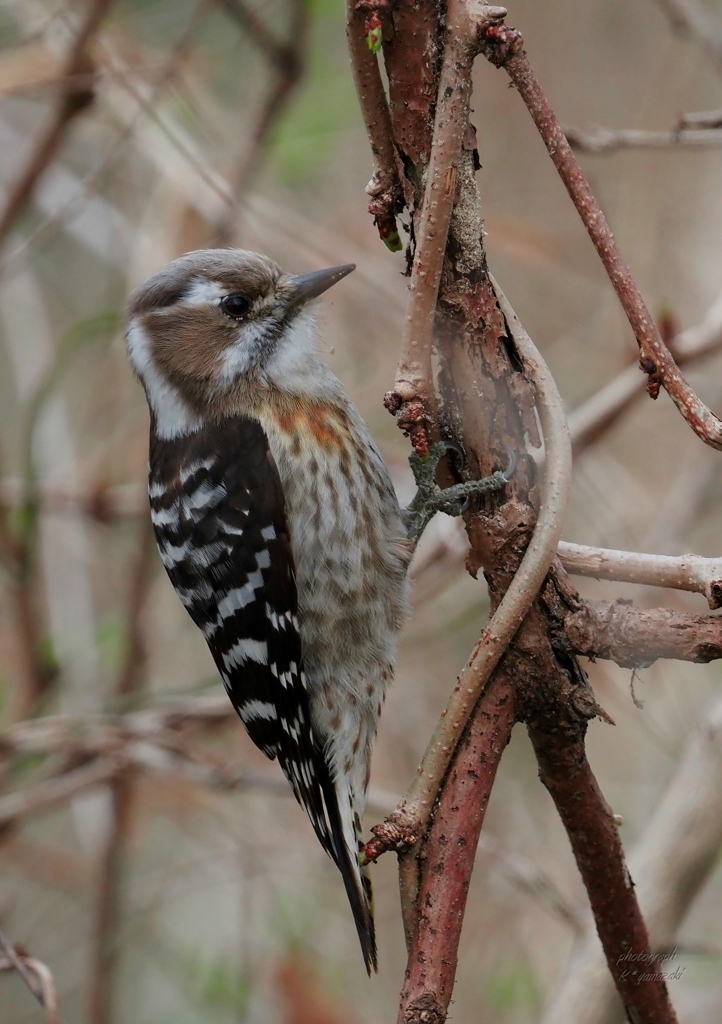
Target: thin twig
x=683, y=572
x=466, y=21
x=275, y=49
x=385, y=186
x=17, y=963
x=287, y=59
x=701, y=119
x=589, y=420
x=108, y=907
x=99, y=502
x=504, y=49
x=147, y=107
x=528, y=877
x=74, y=98
x=37, y=976
x=597, y=848
x=57, y=790
x=672, y=862
x=698, y=21
x=610, y=140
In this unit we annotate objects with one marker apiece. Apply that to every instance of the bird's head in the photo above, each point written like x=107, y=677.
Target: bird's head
x=219, y=323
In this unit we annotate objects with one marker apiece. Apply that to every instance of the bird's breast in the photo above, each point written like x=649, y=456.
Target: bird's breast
x=346, y=532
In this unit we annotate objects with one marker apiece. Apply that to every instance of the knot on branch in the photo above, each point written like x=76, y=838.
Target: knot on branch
x=424, y=1010
x=654, y=382
x=80, y=90
x=411, y=416
x=498, y=42
x=383, y=207
x=373, y=6
x=387, y=836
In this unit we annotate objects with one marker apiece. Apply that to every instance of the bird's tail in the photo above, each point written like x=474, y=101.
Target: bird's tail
x=346, y=837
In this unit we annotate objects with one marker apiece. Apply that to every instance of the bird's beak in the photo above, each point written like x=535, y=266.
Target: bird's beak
x=310, y=286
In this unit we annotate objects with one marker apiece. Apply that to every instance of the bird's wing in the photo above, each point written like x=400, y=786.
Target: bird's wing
x=219, y=516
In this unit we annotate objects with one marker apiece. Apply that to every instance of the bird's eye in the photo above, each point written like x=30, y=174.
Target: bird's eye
x=235, y=306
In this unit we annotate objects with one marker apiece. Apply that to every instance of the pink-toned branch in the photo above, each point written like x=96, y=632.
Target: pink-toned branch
x=588, y=421
x=504, y=49
x=466, y=20
x=671, y=863
x=385, y=187
x=449, y=855
x=597, y=848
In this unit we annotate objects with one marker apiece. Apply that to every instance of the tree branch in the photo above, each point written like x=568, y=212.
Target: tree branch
x=589, y=420
x=449, y=852
x=385, y=186
x=287, y=59
x=695, y=19
x=108, y=904
x=74, y=97
x=466, y=21
x=594, y=836
x=504, y=49
x=674, y=858
x=37, y=976
x=611, y=140
x=684, y=572
x=412, y=813
x=636, y=637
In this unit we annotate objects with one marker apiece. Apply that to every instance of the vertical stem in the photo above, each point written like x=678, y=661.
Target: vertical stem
x=597, y=848
x=449, y=852
x=111, y=869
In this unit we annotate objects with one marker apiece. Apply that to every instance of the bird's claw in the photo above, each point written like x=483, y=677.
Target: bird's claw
x=454, y=501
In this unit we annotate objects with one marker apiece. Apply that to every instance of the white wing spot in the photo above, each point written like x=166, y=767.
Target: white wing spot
x=205, y=496
x=246, y=650
x=254, y=709
x=196, y=467
x=165, y=516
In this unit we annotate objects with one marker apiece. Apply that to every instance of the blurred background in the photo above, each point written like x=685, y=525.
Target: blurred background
x=155, y=861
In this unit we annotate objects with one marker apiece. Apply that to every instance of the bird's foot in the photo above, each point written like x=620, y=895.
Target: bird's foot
x=454, y=501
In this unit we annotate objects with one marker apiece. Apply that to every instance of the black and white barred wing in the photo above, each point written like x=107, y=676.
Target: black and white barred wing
x=219, y=517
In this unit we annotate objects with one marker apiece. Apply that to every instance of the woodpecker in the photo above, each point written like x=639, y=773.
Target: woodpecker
x=278, y=525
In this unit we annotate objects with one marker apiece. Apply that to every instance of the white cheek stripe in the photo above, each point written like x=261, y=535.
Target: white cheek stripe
x=174, y=418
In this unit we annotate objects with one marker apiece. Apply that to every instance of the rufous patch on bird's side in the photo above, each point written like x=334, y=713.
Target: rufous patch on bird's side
x=324, y=425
